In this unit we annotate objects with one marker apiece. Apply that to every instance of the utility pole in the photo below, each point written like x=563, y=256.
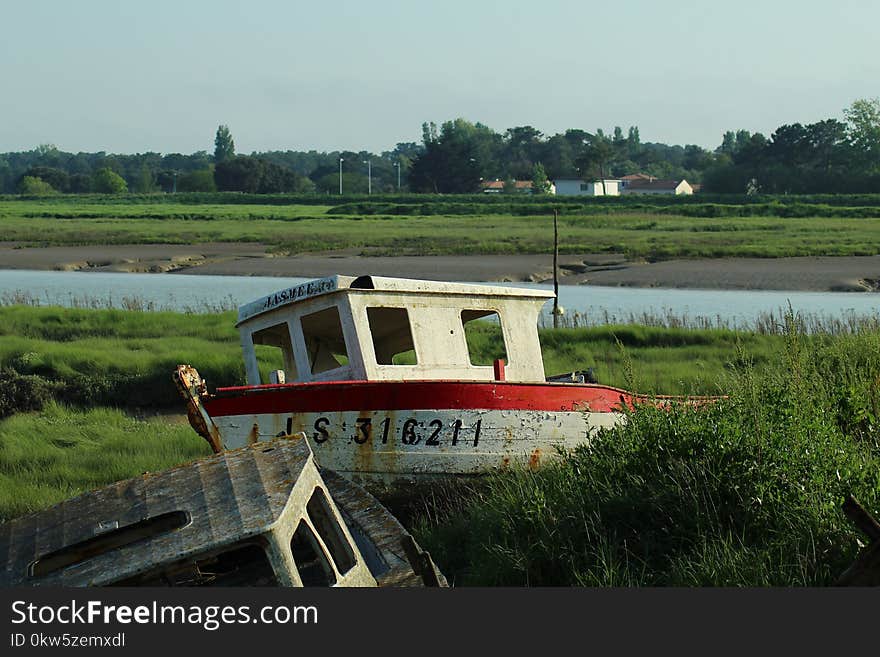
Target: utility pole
x=556, y=312
x=397, y=164
x=340, y=176
x=369, y=176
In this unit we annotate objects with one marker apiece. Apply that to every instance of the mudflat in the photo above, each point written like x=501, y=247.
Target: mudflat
x=817, y=273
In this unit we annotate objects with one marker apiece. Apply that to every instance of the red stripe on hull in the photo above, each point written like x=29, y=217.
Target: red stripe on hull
x=415, y=395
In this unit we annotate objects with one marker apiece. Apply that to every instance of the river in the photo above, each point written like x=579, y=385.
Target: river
x=591, y=304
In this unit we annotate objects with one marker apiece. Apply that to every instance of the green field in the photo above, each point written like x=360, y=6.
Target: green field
x=637, y=230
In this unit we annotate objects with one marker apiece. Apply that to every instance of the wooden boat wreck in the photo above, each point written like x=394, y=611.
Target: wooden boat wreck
x=865, y=570
x=378, y=374
x=262, y=515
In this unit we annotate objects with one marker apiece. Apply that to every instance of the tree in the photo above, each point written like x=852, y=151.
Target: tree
x=224, y=147
x=31, y=186
x=728, y=144
x=453, y=157
x=58, y=178
x=276, y=179
x=80, y=183
x=558, y=155
x=828, y=139
x=107, y=181
x=540, y=184
x=633, y=142
x=696, y=158
x=790, y=145
x=863, y=119
x=145, y=182
x=256, y=176
x=596, y=156
x=196, y=181
x=521, y=149
x=750, y=148
x=240, y=174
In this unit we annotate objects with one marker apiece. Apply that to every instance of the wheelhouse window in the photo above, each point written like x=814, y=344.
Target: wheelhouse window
x=392, y=336
x=331, y=533
x=484, y=336
x=274, y=352
x=237, y=565
x=311, y=563
x=324, y=340
x=116, y=538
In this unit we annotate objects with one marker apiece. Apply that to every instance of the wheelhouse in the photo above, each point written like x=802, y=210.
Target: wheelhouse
x=257, y=516
x=374, y=328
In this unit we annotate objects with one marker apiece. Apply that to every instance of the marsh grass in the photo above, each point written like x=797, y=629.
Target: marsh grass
x=745, y=492
x=764, y=323
x=52, y=455
x=638, y=230
x=86, y=301
x=119, y=358
x=668, y=360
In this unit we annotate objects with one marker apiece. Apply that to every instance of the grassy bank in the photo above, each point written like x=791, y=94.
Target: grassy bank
x=114, y=357
x=643, y=230
x=49, y=456
x=744, y=493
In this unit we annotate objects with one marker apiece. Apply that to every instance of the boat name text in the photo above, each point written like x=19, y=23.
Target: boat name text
x=409, y=431
x=297, y=292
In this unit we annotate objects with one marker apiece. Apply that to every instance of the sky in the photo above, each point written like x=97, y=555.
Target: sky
x=126, y=77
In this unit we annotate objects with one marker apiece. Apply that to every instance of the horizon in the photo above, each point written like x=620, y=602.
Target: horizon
x=289, y=76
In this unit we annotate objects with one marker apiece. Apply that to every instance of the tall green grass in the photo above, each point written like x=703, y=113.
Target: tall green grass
x=667, y=360
x=52, y=455
x=744, y=492
x=116, y=357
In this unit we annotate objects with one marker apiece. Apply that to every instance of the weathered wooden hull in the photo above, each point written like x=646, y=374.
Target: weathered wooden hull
x=161, y=529
x=390, y=431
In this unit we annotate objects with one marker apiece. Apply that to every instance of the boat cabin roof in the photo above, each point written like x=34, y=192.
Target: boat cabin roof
x=378, y=328
x=138, y=525
x=343, y=284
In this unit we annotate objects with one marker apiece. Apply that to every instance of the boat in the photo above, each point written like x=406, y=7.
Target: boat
x=865, y=569
x=262, y=515
x=381, y=377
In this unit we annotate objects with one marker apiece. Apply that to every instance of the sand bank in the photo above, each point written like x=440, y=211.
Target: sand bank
x=850, y=273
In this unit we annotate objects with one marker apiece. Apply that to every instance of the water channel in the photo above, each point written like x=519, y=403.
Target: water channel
x=593, y=304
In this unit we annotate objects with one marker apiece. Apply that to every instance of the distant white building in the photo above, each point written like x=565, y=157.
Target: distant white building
x=654, y=186
x=578, y=187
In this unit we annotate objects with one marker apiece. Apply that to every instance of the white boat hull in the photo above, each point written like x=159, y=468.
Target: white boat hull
x=392, y=444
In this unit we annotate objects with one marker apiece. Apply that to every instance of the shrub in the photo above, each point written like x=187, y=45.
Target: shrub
x=31, y=186
x=19, y=393
x=107, y=181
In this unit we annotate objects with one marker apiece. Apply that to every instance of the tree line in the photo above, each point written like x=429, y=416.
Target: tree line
x=828, y=156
